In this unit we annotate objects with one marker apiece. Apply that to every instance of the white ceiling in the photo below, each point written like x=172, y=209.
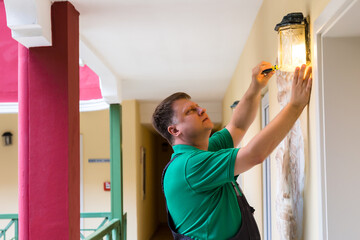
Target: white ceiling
x=155, y=48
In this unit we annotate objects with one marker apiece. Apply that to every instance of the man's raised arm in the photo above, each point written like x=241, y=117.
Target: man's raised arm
x=245, y=111
x=267, y=139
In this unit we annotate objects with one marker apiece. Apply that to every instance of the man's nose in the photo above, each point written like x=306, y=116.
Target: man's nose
x=201, y=110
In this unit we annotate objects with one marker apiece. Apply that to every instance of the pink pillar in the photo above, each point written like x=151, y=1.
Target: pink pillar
x=49, y=169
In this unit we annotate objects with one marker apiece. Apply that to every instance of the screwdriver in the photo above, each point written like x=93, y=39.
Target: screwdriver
x=266, y=71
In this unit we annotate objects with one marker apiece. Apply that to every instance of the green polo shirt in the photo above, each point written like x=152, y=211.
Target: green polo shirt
x=198, y=189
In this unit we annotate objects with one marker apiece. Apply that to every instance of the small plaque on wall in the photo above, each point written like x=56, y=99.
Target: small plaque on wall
x=98, y=160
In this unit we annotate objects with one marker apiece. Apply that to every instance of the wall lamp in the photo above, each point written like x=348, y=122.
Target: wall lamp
x=293, y=42
x=7, y=137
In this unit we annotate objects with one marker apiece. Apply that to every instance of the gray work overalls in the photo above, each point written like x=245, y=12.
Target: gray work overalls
x=248, y=230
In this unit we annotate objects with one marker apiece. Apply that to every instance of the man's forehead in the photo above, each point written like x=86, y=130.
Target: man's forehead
x=182, y=104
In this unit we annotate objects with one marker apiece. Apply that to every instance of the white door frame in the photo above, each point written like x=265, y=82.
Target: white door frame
x=266, y=173
x=331, y=14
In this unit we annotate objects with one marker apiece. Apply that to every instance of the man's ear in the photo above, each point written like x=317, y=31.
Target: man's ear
x=173, y=130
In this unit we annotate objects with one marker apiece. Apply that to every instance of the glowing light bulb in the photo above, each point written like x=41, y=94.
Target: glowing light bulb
x=298, y=55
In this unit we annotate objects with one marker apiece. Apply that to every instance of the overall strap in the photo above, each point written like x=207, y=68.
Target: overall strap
x=242, y=195
x=176, y=235
x=249, y=229
x=163, y=173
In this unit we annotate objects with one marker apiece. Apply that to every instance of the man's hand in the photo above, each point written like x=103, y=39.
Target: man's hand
x=258, y=79
x=266, y=141
x=245, y=112
x=301, y=87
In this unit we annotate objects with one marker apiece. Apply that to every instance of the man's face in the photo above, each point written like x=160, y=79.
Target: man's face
x=190, y=119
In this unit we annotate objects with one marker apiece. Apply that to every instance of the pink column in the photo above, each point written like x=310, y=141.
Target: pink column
x=49, y=169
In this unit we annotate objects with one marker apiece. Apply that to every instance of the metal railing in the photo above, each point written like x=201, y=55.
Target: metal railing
x=111, y=229
x=105, y=215
x=13, y=220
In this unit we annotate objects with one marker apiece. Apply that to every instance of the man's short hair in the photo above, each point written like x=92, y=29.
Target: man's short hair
x=163, y=115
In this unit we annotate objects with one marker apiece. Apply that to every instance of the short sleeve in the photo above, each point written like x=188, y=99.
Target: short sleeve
x=220, y=140
x=208, y=170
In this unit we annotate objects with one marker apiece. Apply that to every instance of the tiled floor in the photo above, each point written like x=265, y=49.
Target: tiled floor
x=162, y=233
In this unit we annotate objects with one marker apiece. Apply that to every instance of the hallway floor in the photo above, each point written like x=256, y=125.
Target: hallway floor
x=162, y=233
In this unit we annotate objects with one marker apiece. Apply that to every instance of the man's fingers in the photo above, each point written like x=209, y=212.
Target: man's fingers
x=270, y=74
x=264, y=66
x=263, y=63
x=308, y=74
x=296, y=75
x=301, y=74
x=309, y=84
x=261, y=67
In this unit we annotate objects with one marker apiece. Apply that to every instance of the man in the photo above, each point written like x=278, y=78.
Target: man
x=199, y=182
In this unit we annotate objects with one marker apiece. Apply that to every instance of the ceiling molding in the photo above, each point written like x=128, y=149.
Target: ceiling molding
x=12, y=107
x=110, y=86
x=84, y=106
x=29, y=21
x=93, y=105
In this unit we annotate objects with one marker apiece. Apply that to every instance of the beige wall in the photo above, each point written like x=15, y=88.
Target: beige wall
x=94, y=127
x=262, y=46
x=9, y=165
x=147, y=212
x=131, y=165
x=8, y=170
x=142, y=216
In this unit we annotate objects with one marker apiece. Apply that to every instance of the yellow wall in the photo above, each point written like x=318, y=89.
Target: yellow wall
x=142, y=216
x=262, y=46
x=94, y=127
x=9, y=165
x=8, y=170
x=131, y=154
x=147, y=212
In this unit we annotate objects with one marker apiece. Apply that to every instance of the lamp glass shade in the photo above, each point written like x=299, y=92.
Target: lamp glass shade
x=291, y=47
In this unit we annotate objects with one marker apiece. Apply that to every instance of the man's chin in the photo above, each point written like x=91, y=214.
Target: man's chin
x=210, y=126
